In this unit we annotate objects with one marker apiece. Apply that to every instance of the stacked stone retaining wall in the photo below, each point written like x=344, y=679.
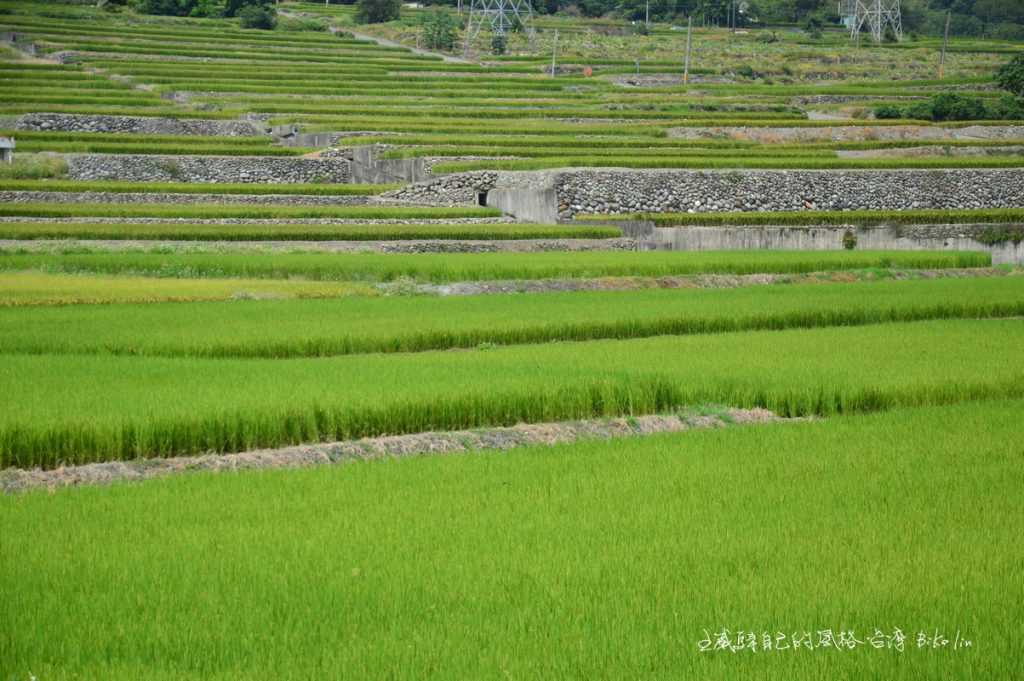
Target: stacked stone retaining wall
x=207, y=169
x=656, y=191
x=142, y=125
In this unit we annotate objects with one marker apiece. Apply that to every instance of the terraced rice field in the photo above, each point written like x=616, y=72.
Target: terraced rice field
x=837, y=480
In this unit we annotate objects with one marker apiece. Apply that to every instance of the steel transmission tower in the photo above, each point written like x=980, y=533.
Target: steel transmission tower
x=877, y=15
x=499, y=15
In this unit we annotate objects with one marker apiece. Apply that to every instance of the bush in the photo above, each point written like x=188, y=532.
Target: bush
x=1010, y=76
x=111, y=5
x=439, y=31
x=887, y=111
x=34, y=167
x=253, y=16
x=813, y=27
x=953, y=107
x=499, y=43
x=174, y=8
x=378, y=11
x=208, y=8
x=302, y=24
x=1007, y=108
x=921, y=111
x=747, y=71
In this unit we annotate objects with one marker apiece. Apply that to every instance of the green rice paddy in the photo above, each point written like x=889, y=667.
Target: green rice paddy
x=883, y=503
x=585, y=561
x=454, y=267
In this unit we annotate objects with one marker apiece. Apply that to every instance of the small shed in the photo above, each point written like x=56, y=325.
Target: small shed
x=6, y=150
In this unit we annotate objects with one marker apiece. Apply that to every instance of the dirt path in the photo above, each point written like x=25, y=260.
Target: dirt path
x=705, y=281
x=383, y=42
x=484, y=439
x=391, y=246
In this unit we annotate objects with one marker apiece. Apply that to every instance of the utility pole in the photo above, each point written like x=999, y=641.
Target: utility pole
x=647, y=14
x=686, y=64
x=554, y=53
x=945, y=42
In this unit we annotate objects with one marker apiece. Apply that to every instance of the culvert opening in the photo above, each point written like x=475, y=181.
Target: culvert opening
x=481, y=198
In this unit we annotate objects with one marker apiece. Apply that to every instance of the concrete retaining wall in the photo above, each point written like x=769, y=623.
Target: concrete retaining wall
x=369, y=169
x=823, y=239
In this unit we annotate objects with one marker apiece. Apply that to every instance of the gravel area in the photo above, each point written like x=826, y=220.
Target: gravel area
x=544, y=434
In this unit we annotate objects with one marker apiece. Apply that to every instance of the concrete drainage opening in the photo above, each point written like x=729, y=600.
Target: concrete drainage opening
x=481, y=198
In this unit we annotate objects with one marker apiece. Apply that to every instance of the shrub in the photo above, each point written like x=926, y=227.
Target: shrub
x=174, y=8
x=997, y=236
x=849, y=240
x=887, y=111
x=953, y=107
x=1010, y=76
x=253, y=16
x=439, y=31
x=499, y=43
x=813, y=27
x=303, y=24
x=111, y=5
x=920, y=111
x=34, y=167
x=747, y=71
x=1007, y=108
x=378, y=11
x=208, y=8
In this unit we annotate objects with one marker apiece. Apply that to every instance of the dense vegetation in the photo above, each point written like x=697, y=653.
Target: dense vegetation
x=453, y=267
x=994, y=18
x=81, y=408
x=580, y=561
x=174, y=319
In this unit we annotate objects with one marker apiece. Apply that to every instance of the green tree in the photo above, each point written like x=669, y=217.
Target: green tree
x=499, y=43
x=378, y=11
x=439, y=31
x=257, y=16
x=1010, y=76
x=174, y=8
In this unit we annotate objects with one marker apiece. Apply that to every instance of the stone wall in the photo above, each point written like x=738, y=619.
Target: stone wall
x=255, y=169
x=128, y=198
x=447, y=190
x=652, y=191
x=52, y=122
